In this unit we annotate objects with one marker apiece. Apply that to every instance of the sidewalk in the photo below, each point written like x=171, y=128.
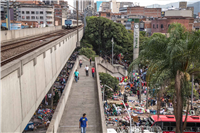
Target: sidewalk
x=83, y=99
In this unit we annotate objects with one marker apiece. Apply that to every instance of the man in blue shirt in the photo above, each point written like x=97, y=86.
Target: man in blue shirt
x=76, y=73
x=83, y=123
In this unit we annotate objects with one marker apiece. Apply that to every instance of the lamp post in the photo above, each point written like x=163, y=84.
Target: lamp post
x=112, y=50
x=77, y=43
x=128, y=114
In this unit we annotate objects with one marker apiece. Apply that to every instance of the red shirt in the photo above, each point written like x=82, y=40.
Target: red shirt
x=93, y=70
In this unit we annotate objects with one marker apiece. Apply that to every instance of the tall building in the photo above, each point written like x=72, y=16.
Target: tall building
x=42, y=14
x=82, y=4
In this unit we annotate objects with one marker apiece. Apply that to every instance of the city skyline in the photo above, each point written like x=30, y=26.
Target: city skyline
x=145, y=2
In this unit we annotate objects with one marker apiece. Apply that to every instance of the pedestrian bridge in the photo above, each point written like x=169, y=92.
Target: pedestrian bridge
x=26, y=80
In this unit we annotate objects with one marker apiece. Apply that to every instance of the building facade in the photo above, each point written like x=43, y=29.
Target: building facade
x=29, y=1
x=182, y=13
x=161, y=24
x=44, y=15
x=83, y=4
x=57, y=14
x=142, y=11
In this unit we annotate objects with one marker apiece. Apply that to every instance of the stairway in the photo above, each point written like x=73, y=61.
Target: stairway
x=83, y=99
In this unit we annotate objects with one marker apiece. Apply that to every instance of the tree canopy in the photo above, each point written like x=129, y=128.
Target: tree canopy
x=99, y=33
x=169, y=64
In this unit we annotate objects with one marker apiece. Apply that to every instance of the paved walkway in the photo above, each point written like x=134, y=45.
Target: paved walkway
x=82, y=99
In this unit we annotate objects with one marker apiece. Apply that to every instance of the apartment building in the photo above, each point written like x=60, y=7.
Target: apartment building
x=42, y=14
x=138, y=11
x=161, y=24
x=83, y=4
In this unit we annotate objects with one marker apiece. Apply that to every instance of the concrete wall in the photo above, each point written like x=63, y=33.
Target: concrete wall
x=106, y=67
x=27, y=80
x=16, y=34
x=102, y=116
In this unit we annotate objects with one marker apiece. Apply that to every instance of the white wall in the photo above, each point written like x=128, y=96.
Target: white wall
x=26, y=81
x=17, y=34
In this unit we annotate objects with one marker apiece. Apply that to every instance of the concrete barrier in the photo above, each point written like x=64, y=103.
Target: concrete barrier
x=106, y=67
x=102, y=116
x=53, y=127
x=10, y=35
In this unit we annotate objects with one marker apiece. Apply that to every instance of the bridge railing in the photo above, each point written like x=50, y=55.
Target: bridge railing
x=102, y=116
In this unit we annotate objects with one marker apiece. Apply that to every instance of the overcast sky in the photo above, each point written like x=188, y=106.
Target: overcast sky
x=145, y=2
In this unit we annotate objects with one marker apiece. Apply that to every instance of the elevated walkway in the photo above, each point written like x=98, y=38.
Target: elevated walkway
x=82, y=99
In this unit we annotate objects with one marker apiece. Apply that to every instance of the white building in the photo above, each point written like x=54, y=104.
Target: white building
x=44, y=15
x=82, y=4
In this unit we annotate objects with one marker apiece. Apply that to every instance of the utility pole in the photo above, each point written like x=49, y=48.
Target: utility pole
x=8, y=15
x=140, y=90
x=77, y=43
x=112, y=51
x=192, y=87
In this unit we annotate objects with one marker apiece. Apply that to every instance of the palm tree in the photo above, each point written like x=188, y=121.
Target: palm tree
x=170, y=61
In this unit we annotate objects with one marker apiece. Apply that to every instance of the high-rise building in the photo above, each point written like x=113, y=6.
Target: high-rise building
x=83, y=4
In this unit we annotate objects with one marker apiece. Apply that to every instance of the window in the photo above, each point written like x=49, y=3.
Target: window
x=37, y=17
x=32, y=12
x=41, y=22
x=107, y=14
x=22, y=12
x=168, y=25
x=27, y=17
x=27, y=12
x=41, y=17
x=41, y=12
x=157, y=25
x=23, y=17
x=154, y=26
x=173, y=124
x=166, y=124
x=161, y=26
x=190, y=124
x=37, y=12
x=32, y=17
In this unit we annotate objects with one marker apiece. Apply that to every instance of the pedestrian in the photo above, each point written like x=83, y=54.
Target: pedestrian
x=80, y=63
x=90, y=60
x=86, y=70
x=138, y=94
x=93, y=70
x=83, y=123
x=76, y=74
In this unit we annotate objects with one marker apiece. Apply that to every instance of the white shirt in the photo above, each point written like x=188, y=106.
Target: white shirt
x=87, y=68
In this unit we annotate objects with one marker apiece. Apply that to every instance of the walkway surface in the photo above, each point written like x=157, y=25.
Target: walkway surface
x=83, y=99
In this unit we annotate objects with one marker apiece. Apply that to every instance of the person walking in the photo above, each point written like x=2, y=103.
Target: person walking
x=93, y=70
x=76, y=74
x=83, y=123
x=86, y=70
x=80, y=63
x=90, y=60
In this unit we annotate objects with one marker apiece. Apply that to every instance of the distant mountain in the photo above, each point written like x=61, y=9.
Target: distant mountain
x=196, y=6
x=176, y=5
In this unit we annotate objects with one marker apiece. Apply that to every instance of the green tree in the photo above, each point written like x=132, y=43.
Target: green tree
x=88, y=52
x=100, y=31
x=107, y=79
x=169, y=61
